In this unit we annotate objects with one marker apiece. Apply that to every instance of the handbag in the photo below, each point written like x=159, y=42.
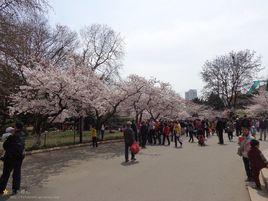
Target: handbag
x=135, y=148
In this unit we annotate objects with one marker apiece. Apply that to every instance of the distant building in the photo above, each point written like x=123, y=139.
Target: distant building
x=191, y=94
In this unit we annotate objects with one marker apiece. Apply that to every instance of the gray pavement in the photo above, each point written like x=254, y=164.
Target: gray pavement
x=162, y=173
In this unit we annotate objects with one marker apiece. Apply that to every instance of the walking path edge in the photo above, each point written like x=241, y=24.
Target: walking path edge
x=70, y=146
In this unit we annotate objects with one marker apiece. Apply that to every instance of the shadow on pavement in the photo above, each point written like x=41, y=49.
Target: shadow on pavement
x=4, y=197
x=129, y=163
x=37, y=168
x=263, y=193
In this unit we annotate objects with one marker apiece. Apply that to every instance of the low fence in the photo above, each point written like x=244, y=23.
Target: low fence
x=62, y=138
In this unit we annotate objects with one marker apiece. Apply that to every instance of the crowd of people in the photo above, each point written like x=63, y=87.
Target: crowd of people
x=154, y=132
x=158, y=132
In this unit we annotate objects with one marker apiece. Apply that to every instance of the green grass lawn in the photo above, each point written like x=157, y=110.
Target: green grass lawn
x=57, y=138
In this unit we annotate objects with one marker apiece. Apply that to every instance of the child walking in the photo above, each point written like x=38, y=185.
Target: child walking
x=257, y=162
x=93, y=132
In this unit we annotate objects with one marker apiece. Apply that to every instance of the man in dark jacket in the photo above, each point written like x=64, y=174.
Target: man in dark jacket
x=14, y=155
x=238, y=127
x=245, y=123
x=129, y=138
x=134, y=128
x=263, y=128
x=143, y=133
x=257, y=162
x=220, y=128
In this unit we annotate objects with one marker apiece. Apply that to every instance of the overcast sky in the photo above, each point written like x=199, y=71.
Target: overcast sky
x=171, y=39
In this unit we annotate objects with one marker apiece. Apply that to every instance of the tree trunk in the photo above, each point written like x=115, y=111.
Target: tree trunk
x=140, y=117
x=98, y=125
x=136, y=118
x=81, y=128
x=37, y=131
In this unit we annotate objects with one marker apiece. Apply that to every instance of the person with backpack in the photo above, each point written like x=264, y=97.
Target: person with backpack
x=129, y=138
x=14, y=154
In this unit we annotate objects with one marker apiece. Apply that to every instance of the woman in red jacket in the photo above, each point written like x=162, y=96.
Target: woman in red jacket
x=166, y=131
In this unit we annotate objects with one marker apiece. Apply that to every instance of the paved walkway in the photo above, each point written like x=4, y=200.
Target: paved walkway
x=211, y=173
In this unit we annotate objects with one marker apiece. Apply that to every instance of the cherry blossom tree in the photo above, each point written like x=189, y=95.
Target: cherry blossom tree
x=113, y=98
x=156, y=100
x=53, y=93
x=136, y=105
x=260, y=103
x=200, y=110
x=164, y=102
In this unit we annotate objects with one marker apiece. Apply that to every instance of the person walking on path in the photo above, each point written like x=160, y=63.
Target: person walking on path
x=191, y=132
x=230, y=130
x=186, y=128
x=244, y=147
x=150, y=132
x=93, y=133
x=129, y=138
x=14, y=154
x=213, y=127
x=257, y=162
x=220, y=128
x=258, y=125
x=172, y=130
x=166, y=132
x=263, y=128
x=154, y=133
x=143, y=133
x=102, y=131
x=238, y=128
x=159, y=127
x=134, y=128
x=207, y=125
x=177, y=134
x=245, y=123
